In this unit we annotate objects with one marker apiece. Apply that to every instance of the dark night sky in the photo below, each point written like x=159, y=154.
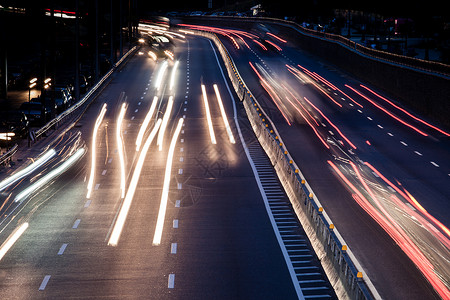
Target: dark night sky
x=287, y=7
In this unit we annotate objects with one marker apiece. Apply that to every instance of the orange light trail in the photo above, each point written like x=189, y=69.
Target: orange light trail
x=326, y=82
x=295, y=98
x=310, y=125
x=406, y=112
x=278, y=38
x=274, y=45
x=395, y=231
x=316, y=85
x=386, y=111
x=331, y=123
x=261, y=45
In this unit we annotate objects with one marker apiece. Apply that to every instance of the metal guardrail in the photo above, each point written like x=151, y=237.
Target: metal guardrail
x=339, y=263
x=431, y=67
x=8, y=155
x=61, y=117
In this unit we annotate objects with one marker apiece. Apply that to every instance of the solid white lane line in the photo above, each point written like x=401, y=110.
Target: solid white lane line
x=171, y=281
x=62, y=249
x=44, y=282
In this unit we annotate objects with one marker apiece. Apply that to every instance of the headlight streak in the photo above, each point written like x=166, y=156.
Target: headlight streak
x=51, y=175
x=12, y=239
x=224, y=115
x=331, y=123
x=169, y=54
x=406, y=112
x=165, y=192
x=397, y=233
x=172, y=75
x=165, y=121
x=98, y=122
x=28, y=170
x=208, y=116
x=386, y=111
x=144, y=125
x=121, y=218
x=160, y=76
x=152, y=55
x=120, y=147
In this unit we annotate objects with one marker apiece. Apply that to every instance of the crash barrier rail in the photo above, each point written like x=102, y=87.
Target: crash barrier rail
x=431, y=67
x=69, y=112
x=5, y=158
x=342, y=268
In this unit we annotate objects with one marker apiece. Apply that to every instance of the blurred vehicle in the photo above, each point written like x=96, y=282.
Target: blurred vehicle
x=62, y=96
x=33, y=112
x=14, y=122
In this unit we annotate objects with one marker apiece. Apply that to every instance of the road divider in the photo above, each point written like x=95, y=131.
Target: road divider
x=342, y=268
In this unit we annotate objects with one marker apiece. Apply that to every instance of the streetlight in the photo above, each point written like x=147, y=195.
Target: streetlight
x=47, y=83
x=32, y=85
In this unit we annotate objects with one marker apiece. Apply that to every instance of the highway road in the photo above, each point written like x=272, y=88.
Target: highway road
x=381, y=172
x=191, y=220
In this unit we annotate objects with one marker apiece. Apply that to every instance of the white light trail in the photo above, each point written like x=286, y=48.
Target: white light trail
x=165, y=191
x=160, y=76
x=165, y=121
x=29, y=169
x=144, y=125
x=120, y=146
x=121, y=218
x=208, y=116
x=224, y=115
x=51, y=175
x=98, y=122
x=172, y=76
x=152, y=55
x=12, y=239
